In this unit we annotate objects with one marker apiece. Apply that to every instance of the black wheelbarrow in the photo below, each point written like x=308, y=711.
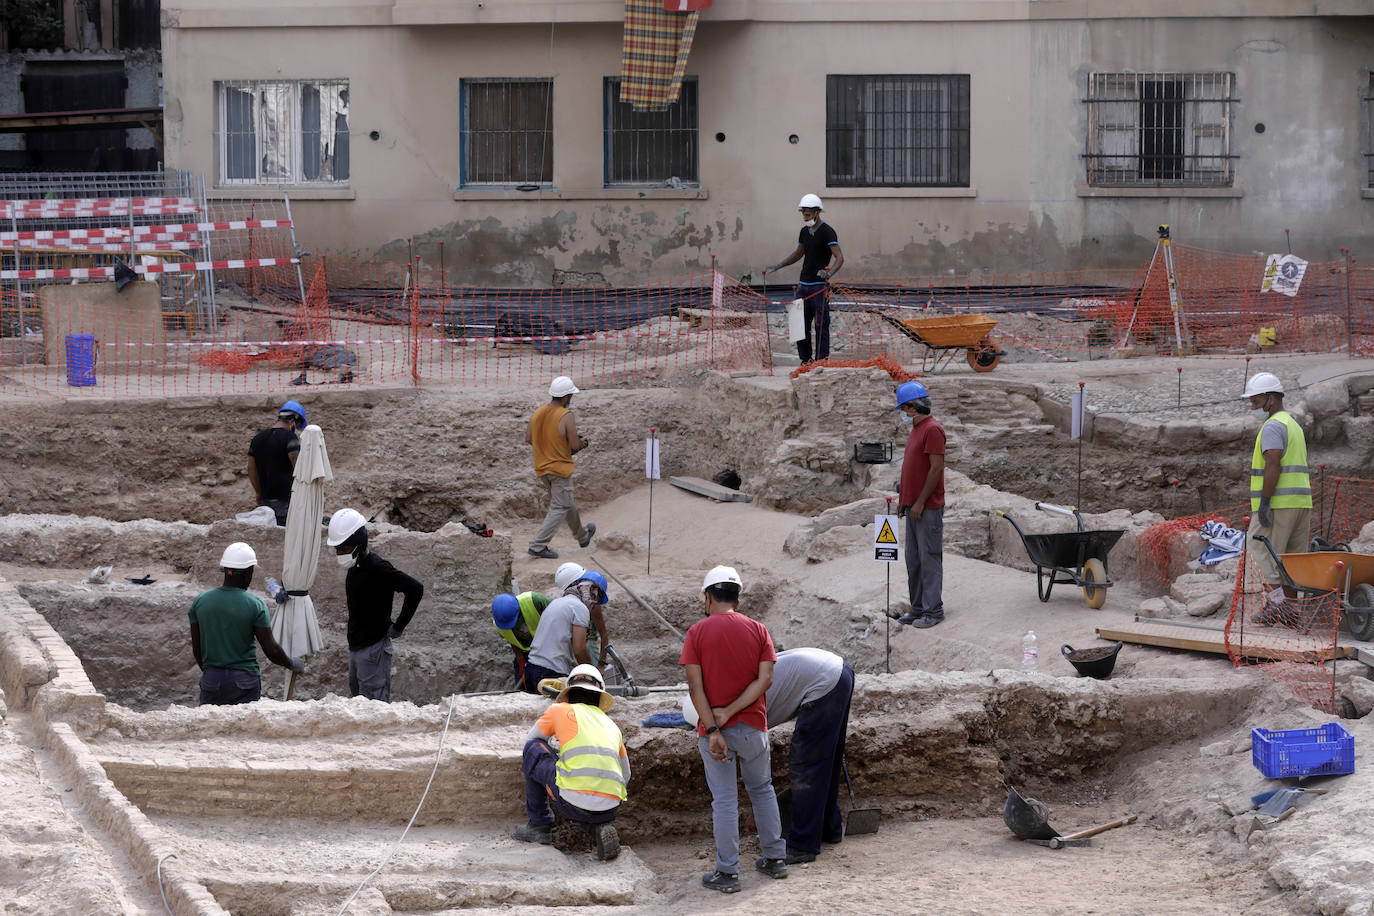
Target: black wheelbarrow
x=1070, y=557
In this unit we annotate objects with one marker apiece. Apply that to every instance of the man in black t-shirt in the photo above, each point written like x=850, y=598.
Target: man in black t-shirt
x=272, y=460
x=816, y=245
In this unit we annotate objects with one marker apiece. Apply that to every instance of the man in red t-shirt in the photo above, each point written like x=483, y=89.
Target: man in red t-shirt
x=922, y=502
x=729, y=660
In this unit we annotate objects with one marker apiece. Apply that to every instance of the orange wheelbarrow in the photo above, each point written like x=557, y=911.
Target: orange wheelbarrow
x=944, y=336
x=1349, y=576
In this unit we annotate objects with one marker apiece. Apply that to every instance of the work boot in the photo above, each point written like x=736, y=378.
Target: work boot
x=926, y=621
x=910, y=618
x=591, y=530
x=544, y=553
x=535, y=833
x=773, y=868
x=797, y=857
x=721, y=881
x=607, y=841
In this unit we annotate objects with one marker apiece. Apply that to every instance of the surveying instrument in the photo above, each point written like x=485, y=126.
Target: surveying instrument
x=1162, y=247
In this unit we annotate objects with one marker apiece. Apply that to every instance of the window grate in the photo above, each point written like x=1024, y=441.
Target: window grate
x=507, y=130
x=897, y=130
x=283, y=132
x=1369, y=133
x=651, y=148
x=1160, y=129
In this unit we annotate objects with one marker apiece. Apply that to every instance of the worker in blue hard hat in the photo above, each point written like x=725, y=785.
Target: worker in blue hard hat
x=560, y=643
x=921, y=501
x=272, y=459
x=516, y=618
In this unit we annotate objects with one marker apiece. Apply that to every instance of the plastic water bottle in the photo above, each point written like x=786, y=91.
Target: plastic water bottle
x=1030, y=652
x=275, y=591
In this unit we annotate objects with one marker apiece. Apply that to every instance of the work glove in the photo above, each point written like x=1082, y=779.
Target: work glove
x=297, y=664
x=823, y=273
x=1266, y=514
x=393, y=633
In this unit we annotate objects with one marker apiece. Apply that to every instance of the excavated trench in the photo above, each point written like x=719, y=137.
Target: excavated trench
x=921, y=745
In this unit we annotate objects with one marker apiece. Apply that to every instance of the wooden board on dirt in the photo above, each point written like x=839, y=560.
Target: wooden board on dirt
x=1259, y=643
x=711, y=490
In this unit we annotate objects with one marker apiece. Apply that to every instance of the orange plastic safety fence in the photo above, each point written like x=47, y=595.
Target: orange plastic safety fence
x=896, y=372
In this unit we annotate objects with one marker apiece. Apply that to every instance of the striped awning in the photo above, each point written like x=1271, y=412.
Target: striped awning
x=653, y=58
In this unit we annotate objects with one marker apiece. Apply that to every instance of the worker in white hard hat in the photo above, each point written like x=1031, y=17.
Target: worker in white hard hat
x=560, y=643
x=818, y=248
x=225, y=622
x=585, y=779
x=272, y=459
x=1280, y=487
x=729, y=659
x=553, y=436
x=370, y=588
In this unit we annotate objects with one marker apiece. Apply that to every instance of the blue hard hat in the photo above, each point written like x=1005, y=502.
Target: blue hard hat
x=505, y=610
x=599, y=581
x=910, y=391
x=295, y=408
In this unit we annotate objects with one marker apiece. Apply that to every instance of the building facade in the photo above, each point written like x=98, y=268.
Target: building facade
x=980, y=137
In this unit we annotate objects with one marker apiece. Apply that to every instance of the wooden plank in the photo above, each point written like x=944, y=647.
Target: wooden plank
x=710, y=490
x=1256, y=644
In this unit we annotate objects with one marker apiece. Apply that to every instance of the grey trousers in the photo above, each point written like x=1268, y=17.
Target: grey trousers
x=561, y=508
x=749, y=747
x=369, y=671
x=925, y=561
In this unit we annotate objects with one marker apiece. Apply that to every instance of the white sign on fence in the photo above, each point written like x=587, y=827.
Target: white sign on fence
x=886, y=548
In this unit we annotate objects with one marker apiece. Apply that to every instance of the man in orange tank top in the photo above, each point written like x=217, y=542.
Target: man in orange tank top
x=553, y=435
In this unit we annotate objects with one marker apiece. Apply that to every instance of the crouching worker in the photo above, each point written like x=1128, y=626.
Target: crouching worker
x=585, y=781
x=516, y=618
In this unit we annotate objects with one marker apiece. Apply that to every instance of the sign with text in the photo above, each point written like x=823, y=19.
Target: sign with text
x=886, y=548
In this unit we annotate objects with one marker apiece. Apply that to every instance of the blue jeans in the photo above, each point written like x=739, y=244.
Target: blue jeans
x=925, y=561
x=816, y=311
x=229, y=687
x=540, y=767
x=814, y=766
x=369, y=671
x=749, y=747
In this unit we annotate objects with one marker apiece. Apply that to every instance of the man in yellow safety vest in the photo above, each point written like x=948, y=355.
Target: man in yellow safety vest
x=1280, y=488
x=585, y=781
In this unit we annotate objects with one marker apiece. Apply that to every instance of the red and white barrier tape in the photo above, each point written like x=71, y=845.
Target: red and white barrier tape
x=123, y=232
x=97, y=206
x=107, y=273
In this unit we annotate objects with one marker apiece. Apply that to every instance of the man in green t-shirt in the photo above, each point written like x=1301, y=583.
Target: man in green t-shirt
x=224, y=623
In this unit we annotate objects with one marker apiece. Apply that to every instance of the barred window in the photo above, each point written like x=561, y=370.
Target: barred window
x=283, y=131
x=507, y=131
x=1369, y=133
x=897, y=131
x=654, y=148
x=1160, y=129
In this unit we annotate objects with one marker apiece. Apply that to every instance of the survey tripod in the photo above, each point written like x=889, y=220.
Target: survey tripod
x=1182, y=347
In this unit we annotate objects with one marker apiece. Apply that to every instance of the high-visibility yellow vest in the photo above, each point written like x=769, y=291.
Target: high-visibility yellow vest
x=1294, y=489
x=532, y=605
x=591, y=761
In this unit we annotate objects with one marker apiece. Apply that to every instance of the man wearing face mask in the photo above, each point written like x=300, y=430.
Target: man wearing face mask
x=816, y=245
x=370, y=587
x=560, y=642
x=921, y=502
x=1280, y=488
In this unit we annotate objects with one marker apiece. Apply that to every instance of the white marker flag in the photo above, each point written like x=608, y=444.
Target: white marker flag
x=1076, y=421
x=651, y=458
x=1283, y=273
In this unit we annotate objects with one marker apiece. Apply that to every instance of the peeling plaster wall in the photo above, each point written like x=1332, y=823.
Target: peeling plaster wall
x=1023, y=211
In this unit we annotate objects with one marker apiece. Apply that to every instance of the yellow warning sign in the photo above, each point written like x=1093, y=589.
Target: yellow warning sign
x=885, y=535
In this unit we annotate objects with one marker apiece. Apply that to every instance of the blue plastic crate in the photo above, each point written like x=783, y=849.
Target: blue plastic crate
x=1325, y=751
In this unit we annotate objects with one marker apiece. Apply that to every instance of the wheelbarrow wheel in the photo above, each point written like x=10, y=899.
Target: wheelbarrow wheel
x=1359, y=612
x=985, y=356
x=1094, y=571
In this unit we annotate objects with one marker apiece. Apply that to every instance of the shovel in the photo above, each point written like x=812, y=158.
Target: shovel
x=859, y=820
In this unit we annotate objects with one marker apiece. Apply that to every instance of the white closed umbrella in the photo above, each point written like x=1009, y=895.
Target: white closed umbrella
x=294, y=625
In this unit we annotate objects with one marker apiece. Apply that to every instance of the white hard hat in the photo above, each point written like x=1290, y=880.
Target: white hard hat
x=810, y=202
x=238, y=555
x=567, y=574
x=561, y=386
x=719, y=575
x=1263, y=383
x=689, y=711
x=588, y=677
x=342, y=524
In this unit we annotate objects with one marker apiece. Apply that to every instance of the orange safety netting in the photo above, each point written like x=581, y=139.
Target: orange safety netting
x=1292, y=634
x=896, y=372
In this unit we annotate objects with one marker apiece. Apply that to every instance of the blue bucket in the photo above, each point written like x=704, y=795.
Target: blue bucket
x=80, y=360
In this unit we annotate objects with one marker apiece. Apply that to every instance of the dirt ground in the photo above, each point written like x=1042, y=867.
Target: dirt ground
x=1185, y=855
